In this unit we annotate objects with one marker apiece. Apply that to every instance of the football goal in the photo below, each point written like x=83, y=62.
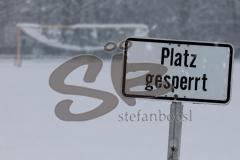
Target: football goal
x=45, y=41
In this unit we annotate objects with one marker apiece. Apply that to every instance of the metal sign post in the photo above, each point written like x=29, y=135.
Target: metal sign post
x=175, y=131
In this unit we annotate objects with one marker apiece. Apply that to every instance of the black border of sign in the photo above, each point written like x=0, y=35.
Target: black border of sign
x=179, y=42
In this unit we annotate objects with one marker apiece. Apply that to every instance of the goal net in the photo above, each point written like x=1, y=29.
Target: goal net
x=46, y=41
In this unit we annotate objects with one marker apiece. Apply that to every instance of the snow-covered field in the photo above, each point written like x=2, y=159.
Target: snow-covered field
x=29, y=129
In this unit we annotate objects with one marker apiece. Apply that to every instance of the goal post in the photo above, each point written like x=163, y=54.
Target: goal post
x=18, y=46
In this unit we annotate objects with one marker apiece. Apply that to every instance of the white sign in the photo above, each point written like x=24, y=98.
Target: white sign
x=180, y=70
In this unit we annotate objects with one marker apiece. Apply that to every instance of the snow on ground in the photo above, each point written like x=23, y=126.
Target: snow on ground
x=30, y=129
